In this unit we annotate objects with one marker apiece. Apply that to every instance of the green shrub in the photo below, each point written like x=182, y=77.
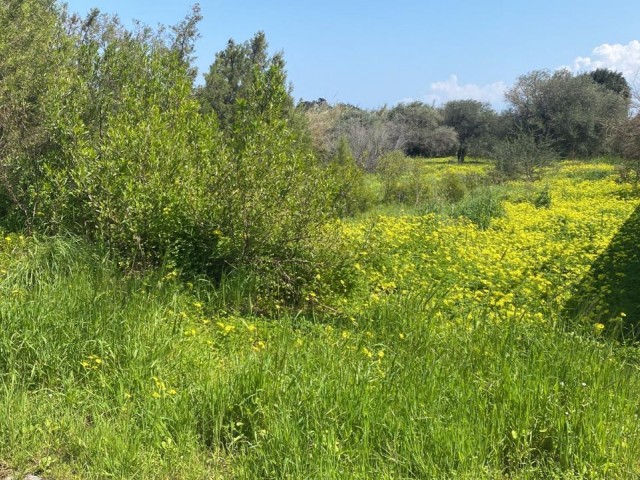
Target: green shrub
x=481, y=206
x=403, y=179
x=452, y=187
x=347, y=180
x=522, y=156
x=120, y=153
x=543, y=198
x=391, y=169
x=156, y=181
x=629, y=172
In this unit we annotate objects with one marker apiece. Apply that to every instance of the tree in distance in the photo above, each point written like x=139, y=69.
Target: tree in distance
x=613, y=81
x=471, y=120
x=574, y=112
x=421, y=131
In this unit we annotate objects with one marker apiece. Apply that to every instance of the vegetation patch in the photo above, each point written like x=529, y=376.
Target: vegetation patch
x=212, y=282
x=435, y=348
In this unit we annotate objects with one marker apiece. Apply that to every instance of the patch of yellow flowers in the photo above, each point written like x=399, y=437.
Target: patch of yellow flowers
x=523, y=266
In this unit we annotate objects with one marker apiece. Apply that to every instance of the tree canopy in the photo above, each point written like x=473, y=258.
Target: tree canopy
x=613, y=81
x=232, y=74
x=573, y=112
x=421, y=131
x=470, y=119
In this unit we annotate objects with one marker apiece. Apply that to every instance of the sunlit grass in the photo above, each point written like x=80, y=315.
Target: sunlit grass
x=438, y=350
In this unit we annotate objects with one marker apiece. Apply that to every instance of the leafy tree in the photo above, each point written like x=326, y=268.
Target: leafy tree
x=613, y=81
x=571, y=111
x=420, y=131
x=232, y=74
x=470, y=119
x=33, y=54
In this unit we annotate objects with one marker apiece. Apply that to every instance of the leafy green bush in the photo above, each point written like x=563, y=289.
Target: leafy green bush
x=481, y=206
x=33, y=56
x=347, y=180
x=403, y=180
x=390, y=169
x=522, y=156
x=452, y=187
x=543, y=198
x=131, y=162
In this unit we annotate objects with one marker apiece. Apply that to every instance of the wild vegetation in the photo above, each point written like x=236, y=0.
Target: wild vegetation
x=212, y=282
x=445, y=344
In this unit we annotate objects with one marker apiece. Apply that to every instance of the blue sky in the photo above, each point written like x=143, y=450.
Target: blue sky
x=371, y=53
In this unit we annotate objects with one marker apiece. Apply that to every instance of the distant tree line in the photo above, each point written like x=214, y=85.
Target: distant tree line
x=573, y=115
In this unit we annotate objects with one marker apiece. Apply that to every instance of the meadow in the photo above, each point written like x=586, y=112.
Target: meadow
x=473, y=330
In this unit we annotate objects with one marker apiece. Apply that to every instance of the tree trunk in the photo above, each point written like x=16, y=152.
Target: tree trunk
x=462, y=151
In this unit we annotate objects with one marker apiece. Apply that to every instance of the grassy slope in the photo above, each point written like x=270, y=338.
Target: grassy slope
x=420, y=375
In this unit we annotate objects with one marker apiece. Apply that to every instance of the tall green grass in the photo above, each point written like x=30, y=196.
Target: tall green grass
x=104, y=375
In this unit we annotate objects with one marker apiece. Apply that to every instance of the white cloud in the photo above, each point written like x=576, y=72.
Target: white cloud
x=451, y=89
x=621, y=58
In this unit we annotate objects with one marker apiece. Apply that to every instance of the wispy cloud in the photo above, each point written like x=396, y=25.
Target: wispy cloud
x=451, y=89
x=621, y=58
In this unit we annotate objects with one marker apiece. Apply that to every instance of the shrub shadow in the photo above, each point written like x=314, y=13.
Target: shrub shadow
x=610, y=293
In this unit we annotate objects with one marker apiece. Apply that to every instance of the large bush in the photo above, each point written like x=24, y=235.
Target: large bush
x=522, y=155
x=33, y=53
x=129, y=160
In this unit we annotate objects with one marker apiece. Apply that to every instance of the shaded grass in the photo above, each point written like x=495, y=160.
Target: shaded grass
x=610, y=292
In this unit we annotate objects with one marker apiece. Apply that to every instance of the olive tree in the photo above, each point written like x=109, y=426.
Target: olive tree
x=472, y=120
x=420, y=130
x=573, y=112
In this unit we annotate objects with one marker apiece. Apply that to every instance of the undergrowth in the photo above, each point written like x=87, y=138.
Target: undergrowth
x=456, y=367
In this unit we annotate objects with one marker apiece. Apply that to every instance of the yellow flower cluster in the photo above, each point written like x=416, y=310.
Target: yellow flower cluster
x=92, y=362
x=161, y=389
x=523, y=266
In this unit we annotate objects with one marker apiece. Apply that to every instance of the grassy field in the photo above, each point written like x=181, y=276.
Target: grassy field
x=485, y=331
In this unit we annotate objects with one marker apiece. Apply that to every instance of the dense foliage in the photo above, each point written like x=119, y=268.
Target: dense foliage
x=206, y=282
x=574, y=112
x=473, y=121
x=442, y=348
x=102, y=137
x=581, y=115
x=231, y=76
